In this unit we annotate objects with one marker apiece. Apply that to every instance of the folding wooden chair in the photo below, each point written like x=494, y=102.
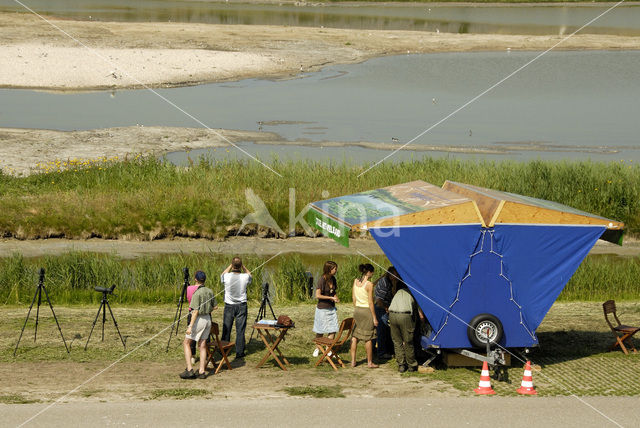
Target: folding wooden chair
x=622, y=332
x=215, y=344
x=330, y=347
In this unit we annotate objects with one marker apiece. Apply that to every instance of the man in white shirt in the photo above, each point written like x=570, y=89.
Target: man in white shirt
x=235, y=279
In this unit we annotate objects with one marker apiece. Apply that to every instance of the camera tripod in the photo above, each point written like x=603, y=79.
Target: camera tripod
x=181, y=300
x=262, y=312
x=39, y=289
x=103, y=305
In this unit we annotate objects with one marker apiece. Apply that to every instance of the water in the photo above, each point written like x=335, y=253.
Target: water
x=567, y=105
x=498, y=19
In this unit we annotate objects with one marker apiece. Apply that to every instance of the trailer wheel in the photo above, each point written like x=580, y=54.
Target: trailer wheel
x=482, y=324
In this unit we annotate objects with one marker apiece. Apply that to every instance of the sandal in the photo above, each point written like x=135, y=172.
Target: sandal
x=187, y=374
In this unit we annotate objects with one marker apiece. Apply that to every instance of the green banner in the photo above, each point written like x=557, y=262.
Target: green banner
x=329, y=227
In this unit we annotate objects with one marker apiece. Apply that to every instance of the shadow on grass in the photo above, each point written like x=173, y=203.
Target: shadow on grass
x=567, y=345
x=298, y=360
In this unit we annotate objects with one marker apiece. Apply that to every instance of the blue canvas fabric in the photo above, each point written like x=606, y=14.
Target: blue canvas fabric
x=514, y=272
x=484, y=290
x=431, y=259
x=540, y=260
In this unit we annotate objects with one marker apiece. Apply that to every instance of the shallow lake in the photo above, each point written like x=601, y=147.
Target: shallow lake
x=478, y=18
x=566, y=105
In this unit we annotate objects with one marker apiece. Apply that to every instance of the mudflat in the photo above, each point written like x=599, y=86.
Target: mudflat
x=107, y=55
x=67, y=55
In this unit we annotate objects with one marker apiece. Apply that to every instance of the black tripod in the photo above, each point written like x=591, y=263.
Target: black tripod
x=38, y=293
x=103, y=305
x=262, y=312
x=181, y=300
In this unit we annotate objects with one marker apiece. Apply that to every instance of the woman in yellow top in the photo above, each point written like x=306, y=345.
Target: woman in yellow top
x=364, y=314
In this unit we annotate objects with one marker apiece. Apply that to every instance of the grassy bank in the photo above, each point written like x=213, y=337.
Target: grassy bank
x=146, y=198
x=71, y=278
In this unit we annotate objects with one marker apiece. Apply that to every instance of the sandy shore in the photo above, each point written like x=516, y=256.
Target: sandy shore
x=35, y=54
x=24, y=151
x=27, y=151
x=111, y=55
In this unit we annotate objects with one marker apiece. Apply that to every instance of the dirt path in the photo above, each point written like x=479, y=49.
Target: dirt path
x=34, y=54
x=235, y=245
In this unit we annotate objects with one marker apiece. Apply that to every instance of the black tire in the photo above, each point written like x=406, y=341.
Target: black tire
x=478, y=326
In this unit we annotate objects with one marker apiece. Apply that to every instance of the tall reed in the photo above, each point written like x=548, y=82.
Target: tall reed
x=71, y=278
x=147, y=198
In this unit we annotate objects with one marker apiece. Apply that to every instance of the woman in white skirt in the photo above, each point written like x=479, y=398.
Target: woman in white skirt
x=326, y=319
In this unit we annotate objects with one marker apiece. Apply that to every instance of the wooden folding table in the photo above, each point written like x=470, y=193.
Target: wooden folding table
x=272, y=341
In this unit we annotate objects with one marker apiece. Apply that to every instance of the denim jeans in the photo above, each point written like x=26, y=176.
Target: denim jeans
x=237, y=312
x=384, y=344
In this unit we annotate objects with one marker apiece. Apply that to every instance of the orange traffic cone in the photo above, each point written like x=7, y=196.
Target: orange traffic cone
x=526, y=387
x=484, y=386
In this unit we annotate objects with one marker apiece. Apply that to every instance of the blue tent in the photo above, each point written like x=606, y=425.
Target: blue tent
x=472, y=255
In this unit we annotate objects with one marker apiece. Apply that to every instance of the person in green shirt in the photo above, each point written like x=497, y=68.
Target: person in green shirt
x=203, y=302
x=403, y=314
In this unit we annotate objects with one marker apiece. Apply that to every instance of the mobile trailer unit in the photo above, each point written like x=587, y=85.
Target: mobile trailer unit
x=482, y=264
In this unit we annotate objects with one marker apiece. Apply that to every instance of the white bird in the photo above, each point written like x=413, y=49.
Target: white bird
x=394, y=139
x=433, y=100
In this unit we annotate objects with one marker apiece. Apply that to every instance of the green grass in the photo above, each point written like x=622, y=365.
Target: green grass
x=315, y=391
x=16, y=399
x=148, y=199
x=604, y=277
x=70, y=278
x=177, y=393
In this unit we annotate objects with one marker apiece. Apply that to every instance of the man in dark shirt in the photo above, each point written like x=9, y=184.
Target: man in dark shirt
x=383, y=293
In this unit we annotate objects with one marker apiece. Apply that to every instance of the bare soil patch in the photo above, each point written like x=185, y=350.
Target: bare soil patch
x=24, y=151
x=150, y=372
x=573, y=359
x=232, y=245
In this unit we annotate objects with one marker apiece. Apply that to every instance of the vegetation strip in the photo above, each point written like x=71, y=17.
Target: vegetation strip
x=146, y=198
x=71, y=278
